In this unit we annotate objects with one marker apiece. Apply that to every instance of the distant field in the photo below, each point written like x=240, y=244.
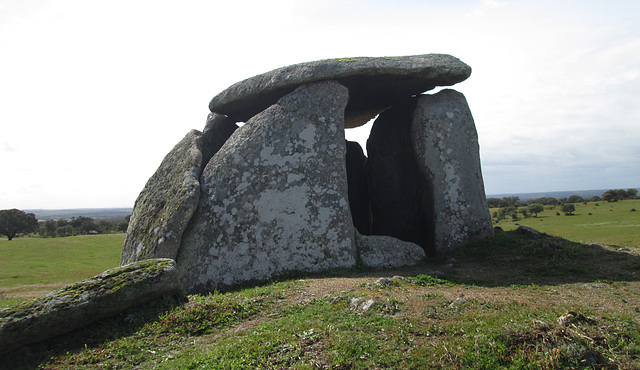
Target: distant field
x=30, y=267
x=596, y=222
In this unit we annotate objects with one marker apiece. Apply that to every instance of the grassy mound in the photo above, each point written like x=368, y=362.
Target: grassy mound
x=516, y=300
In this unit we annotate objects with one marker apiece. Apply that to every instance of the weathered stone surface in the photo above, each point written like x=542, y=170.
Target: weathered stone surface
x=274, y=197
x=387, y=251
x=356, y=163
x=374, y=83
x=216, y=132
x=88, y=301
x=165, y=205
x=400, y=192
x=446, y=145
x=170, y=197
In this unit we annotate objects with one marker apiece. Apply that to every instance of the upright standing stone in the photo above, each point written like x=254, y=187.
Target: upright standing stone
x=165, y=205
x=275, y=196
x=399, y=191
x=446, y=146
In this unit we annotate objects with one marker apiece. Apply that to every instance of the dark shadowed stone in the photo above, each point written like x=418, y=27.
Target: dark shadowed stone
x=274, y=197
x=374, y=83
x=216, y=132
x=165, y=205
x=358, y=193
x=387, y=251
x=400, y=193
x=88, y=301
x=446, y=145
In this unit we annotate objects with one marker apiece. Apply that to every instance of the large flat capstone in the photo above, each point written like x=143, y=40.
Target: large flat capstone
x=274, y=198
x=374, y=83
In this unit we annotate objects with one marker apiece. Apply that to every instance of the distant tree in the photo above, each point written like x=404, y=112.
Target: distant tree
x=493, y=202
x=513, y=201
x=64, y=230
x=14, y=221
x=535, y=209
x=525, y=212
x=122, y=226
x=568, y=209
x=575, y=199
x=104, y=226
x=502, y=214
x=48, y=229
x=619, y=194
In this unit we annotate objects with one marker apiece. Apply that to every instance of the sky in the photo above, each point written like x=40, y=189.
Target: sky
x=94, y=94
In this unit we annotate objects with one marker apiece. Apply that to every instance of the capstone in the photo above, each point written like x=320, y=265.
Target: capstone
x=374, y=83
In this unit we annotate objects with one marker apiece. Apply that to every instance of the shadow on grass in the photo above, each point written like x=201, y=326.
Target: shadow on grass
x=521, y=257
x=518, y=258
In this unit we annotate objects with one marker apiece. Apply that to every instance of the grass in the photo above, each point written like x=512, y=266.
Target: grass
x=32, y=267
x=512, y=301
x=595, y=222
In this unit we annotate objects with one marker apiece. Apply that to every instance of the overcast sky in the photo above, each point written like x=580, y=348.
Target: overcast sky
x=93, y=94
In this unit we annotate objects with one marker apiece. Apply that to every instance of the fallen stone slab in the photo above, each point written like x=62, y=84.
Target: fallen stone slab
x=374, y=83
x=88, y=301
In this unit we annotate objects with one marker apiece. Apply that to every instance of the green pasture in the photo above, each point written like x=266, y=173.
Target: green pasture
x=595, y=222
x=30, y=267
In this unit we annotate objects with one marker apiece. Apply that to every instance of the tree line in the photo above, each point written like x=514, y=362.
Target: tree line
x=80, y=226
x=14, y=222
x=512, y=206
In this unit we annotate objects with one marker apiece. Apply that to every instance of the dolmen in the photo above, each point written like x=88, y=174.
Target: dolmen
x=271, y=186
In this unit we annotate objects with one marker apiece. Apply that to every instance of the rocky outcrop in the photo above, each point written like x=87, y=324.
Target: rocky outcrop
x=275, y=196
x=446, y=145
x=387, y=251
x=285, y=193
x=88, y=301
x=374, y=83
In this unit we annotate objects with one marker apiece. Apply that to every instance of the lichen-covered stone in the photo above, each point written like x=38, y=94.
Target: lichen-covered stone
x=387, y=251
x=374, y=83
x=165, y=205
x=88, y=301
x=274, y=197
x=446, y=145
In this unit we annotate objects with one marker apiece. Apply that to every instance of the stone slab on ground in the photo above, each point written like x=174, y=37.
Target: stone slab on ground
x=88, y=301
